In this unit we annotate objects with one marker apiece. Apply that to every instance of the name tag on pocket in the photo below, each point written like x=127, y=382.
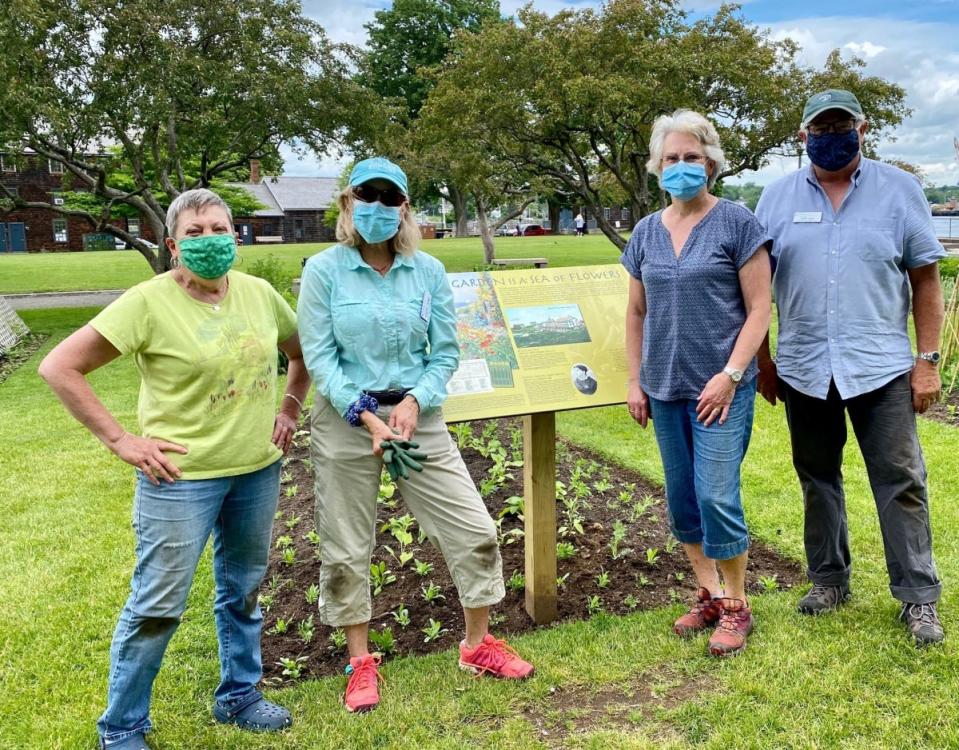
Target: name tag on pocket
x=426, y=307
x=807, y=217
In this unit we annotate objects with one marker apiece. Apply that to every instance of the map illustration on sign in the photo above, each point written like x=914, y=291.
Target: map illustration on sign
x=538, y=340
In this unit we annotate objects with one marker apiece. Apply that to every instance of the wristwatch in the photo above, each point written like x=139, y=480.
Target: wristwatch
x=932, y=357
x=734, y=374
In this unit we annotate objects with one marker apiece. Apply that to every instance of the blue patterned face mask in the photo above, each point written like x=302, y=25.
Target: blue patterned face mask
x=376, y=222
x=684, y=180
x=832, y=151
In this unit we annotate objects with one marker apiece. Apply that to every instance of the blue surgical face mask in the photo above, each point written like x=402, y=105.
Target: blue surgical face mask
x=832, y=151
x=684, y=180
x=376, y=222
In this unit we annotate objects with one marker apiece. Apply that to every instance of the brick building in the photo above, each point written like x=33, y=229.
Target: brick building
x=294, y=210
x=35, y=178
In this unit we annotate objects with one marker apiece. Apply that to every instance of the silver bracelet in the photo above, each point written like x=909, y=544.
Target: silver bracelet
x=290, y=395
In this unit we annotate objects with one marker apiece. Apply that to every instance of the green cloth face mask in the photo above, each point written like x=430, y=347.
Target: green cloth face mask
x=209, y=256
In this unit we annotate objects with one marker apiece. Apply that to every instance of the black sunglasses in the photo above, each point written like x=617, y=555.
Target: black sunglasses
x=390, y=196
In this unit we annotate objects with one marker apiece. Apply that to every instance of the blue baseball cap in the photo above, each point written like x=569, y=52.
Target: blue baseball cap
x=378, y=167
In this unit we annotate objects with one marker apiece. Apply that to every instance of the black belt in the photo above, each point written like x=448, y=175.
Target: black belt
x=388, y=398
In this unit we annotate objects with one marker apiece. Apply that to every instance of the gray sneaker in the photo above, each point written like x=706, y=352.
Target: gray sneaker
x=822, y=599
x=923, y=622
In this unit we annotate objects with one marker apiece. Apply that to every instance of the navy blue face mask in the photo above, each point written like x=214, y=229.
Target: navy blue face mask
x=832, y=151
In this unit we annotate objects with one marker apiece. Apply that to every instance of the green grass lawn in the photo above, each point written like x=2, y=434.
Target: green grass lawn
x=67, y=272
x=851, y=680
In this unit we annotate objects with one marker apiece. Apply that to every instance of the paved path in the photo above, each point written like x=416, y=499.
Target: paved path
x=43, y=300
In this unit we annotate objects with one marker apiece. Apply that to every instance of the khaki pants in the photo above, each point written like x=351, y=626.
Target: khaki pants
x=443, y=499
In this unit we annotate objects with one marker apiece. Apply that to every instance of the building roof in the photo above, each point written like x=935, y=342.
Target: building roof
x=281, y=194
x=303, y=193
x=263, y=195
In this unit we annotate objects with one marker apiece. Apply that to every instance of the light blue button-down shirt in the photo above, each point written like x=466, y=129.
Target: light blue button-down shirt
x=364, y=332
x=841, y=282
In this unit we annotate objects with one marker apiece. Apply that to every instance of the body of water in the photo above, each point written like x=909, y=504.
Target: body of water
x=946, y=226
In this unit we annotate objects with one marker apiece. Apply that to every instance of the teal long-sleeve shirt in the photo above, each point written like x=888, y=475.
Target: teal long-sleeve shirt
x=364, y=332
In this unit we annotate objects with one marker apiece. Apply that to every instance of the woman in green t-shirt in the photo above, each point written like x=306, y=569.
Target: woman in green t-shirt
x=204, y=339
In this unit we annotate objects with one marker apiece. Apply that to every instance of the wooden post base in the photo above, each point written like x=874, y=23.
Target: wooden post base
x=539, y=488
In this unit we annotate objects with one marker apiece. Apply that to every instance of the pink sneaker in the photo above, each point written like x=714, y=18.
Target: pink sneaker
x=362, y=691
x=496, y=658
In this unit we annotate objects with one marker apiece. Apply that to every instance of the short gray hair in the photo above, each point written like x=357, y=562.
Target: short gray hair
x=685, y=121
x=194, y=200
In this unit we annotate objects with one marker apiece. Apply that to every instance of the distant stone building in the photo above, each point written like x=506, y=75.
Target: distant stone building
x=294, y=208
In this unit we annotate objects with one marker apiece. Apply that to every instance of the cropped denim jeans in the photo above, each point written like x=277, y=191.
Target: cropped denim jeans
x=172, y=523
x=702, y=472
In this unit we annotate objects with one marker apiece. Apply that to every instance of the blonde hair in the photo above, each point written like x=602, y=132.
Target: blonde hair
x=404, y=242
x=693, y=123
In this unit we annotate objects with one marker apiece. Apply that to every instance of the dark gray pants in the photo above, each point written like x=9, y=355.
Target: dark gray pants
x=885, y=426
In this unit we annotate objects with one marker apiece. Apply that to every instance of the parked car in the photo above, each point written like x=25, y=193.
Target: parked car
x=531, y=230
x=507, y=230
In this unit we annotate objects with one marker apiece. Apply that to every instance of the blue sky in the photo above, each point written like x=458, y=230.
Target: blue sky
x=913, y=43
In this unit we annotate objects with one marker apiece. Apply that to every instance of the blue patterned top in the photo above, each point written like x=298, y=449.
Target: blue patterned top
x=694, y=303
x=841, y=277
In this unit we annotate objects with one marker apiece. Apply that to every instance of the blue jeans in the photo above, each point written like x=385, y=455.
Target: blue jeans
x=172, y=523
x=702, y=472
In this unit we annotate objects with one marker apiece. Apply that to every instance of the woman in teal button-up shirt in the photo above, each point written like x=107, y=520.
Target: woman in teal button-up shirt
x=378, y=332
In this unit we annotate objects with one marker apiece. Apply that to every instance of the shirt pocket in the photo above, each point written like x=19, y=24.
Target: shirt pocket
x=351, y=318
x=418, y=327
x=876, y=240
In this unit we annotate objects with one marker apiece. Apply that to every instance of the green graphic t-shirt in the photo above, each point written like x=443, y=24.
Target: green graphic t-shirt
x=208, y=372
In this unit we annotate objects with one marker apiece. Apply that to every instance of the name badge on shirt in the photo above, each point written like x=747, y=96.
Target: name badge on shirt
x=807, y=217
x=426, y=307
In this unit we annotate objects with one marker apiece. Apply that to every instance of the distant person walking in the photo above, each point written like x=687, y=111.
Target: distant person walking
x=852, y=237
x=204, y=338
x=580, y=224
x=698, y=309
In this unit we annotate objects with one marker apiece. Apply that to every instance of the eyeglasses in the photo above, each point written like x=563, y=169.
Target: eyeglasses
x=689, y=158
x=390, y=196
x=842, y=127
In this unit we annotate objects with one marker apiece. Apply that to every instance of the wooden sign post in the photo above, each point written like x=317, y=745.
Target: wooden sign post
x=539, y=489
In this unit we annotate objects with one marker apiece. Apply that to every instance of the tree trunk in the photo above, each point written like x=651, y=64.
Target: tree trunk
x=553, y=208
x=458, y=199
x=489, y=247
x=160, y=259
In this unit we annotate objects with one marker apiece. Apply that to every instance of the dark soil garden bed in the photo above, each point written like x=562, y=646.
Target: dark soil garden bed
x=597, y=504
x=12, y=359
x=946, y=410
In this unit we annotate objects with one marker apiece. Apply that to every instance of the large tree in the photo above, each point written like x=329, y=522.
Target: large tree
x=572, y=97
x=405, y=42
x=186, y=92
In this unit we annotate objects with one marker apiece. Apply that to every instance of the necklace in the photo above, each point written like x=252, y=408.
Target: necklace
x=381, y=270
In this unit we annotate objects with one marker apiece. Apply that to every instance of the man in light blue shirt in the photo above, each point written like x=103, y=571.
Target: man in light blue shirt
x=851, y=238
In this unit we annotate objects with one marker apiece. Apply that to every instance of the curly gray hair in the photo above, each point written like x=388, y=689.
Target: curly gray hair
x=686, y=121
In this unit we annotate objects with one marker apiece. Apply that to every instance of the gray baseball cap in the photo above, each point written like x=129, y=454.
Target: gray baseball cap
x=831, y=99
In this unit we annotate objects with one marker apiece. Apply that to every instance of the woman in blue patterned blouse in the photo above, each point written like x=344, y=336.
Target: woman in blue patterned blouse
x=379, y=334
x=699, y=307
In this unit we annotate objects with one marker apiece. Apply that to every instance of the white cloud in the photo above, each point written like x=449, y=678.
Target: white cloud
x=920, y=57
x=864, y=49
